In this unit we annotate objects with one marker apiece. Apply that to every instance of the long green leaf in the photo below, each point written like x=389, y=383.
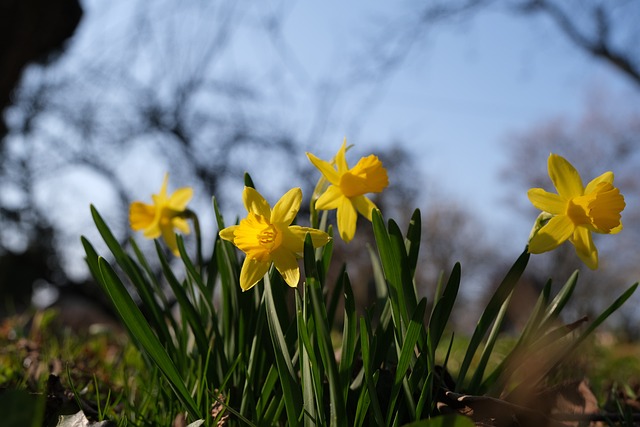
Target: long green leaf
x=311, y=374
x=219, y=357
x=229, y=279
x=272, y=413
x=379, y=281
x=599, y=320
x=336, y=295
x=248, y=182
x=337, y=408
x=414, y=236
x=92, y=259
x=490, y=313
x=407, y=353
x=337, y=414
x=532, y=329
x=362, y=408
x=327, y=252
x=196, y=276
x=156, y=316
x=560, y=300
x=571, y=346
x=349, y=337
x=370, y=380
x=407, y=292
x=266, y=389
x=390, y=267
x=256, y=363
x=442, y=310
x=433, y=382
x=290, y=389
x=193, y=318
x=139, y=329
x=476, y=379
x=533, y=325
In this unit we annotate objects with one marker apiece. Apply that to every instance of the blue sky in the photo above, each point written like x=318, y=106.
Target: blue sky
x=452, y=103
x=456, y=97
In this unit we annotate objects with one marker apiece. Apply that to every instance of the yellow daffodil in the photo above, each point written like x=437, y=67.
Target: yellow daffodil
x=576, y=211
x=161, y=218
x=267, y=237
x=348, y=187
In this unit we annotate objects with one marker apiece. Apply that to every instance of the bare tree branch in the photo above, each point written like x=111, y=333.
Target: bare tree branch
x=598, y=44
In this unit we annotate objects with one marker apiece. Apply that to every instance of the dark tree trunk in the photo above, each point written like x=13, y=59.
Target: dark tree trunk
x=31, y=31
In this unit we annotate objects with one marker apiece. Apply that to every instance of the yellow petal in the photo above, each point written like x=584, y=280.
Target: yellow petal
x=617, y=229
x=246, y=237
x=605, y=208
x=251, y=273
x=364, y=206
x=181, y=224
x=330, y=199
x=325, y=168
x=159, y=200
x=321, y=187
x=228, y=233
x=255, y=203
x=287, y=265
x=606, y=177
x=180, y=198
x=141, y=215
x=163, y=189
x=547, y=202
x=153, y=231
x=169, y=237
x=285, y=211
x=565, y=177
x=367, y=176
x=294, y=237
x=347, y=219
x=341, y=158
x=585, y=248
x=557, y=230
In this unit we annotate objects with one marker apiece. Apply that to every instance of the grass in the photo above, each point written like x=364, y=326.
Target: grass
x=111, y=382
x=99, y=372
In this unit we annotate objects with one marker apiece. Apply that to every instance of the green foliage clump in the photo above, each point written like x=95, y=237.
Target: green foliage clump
x=252, y=358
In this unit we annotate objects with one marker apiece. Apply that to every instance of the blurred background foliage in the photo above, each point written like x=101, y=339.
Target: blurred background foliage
x=97, y=102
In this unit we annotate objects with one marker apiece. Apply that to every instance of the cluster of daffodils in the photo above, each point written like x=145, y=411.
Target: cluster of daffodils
x=267, y=237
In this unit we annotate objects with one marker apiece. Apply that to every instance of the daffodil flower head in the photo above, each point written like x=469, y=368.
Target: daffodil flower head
x=347, y=188
x=163, y=216
x=267, y=237
x=576, y=211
